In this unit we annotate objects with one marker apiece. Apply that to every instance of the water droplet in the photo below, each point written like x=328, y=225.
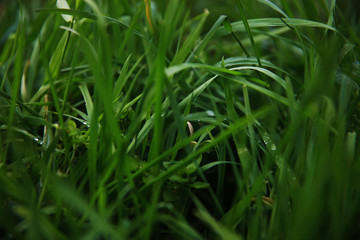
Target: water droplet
x=266, y=138
x=36, y=139
x=242, y=150
x=85, y=123
x=273, y=147
x=210, y=113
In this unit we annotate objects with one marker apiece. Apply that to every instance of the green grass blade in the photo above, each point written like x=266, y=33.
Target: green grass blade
x=275, y=22
x=248, y=30
x=241, y=123
x=185, y=49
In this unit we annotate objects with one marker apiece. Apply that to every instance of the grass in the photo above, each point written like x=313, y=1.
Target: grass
x=179, y=120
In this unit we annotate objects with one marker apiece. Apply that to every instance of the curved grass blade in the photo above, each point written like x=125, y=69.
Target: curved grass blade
x=264, y=71
x=82, y=14
x=178, y=68
x=274, y=22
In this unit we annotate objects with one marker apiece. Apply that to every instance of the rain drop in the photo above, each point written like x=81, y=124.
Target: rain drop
x=210, y=113
x=273, y=147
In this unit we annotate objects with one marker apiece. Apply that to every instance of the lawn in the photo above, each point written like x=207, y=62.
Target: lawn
x=179, y=119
